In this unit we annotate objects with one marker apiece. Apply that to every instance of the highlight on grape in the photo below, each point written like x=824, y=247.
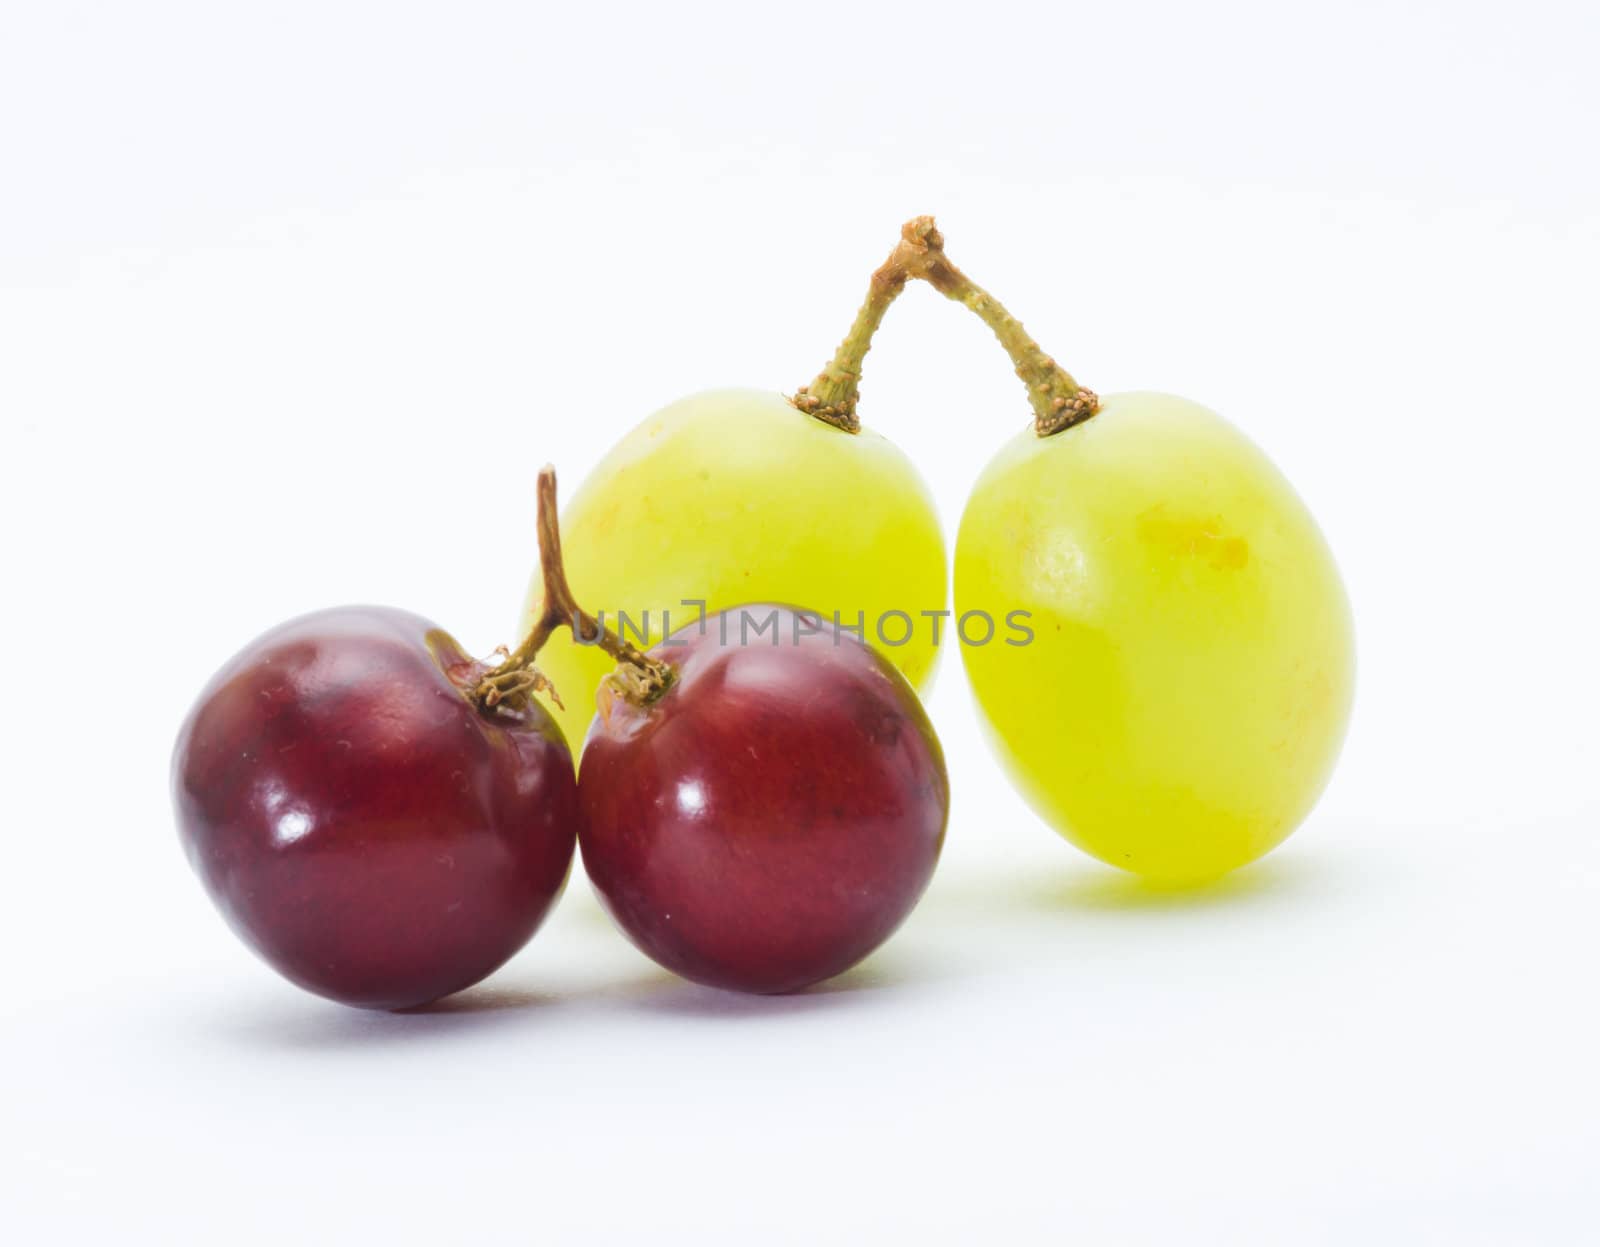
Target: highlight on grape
x=763, y=625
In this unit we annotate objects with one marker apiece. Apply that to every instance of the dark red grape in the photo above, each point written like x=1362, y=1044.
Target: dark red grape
x=360, y=821
x=772, y=817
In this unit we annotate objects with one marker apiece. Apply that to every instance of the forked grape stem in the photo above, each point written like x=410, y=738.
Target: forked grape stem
x=1058, y=401
x=638, y=677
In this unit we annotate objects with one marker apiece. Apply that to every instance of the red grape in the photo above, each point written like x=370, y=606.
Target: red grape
x=361, y=822
x=774, y=815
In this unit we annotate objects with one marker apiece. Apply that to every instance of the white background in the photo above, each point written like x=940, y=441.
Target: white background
x=295, y=298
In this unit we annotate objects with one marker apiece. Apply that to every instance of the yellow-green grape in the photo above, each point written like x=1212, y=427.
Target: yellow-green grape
x=1178, y=699
x=735, y=496
x=1186, y=690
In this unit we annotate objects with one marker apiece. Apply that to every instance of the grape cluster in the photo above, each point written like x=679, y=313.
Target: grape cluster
x=386, y=820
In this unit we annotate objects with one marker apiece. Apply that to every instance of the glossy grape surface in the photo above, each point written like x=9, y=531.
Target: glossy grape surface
x=359, y=822
x=734, y=496
x=1185, y=696
x=773, y=817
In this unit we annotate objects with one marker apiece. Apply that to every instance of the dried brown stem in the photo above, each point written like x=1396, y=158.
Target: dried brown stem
x=638, y=677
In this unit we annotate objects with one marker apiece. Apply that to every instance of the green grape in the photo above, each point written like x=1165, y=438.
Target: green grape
x=734, y=496
x=1185, y=692
x=731, y=497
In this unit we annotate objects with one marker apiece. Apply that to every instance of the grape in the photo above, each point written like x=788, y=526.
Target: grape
x=1190, y=677
x=734, y=496
x=362, y=820
x=756, y=816
x=750, y=496
x=772, y=816
x=1182, y=698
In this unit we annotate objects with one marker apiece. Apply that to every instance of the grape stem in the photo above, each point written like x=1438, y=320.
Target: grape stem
x=833, y=395
x=1058, y=401
x=638, y=678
